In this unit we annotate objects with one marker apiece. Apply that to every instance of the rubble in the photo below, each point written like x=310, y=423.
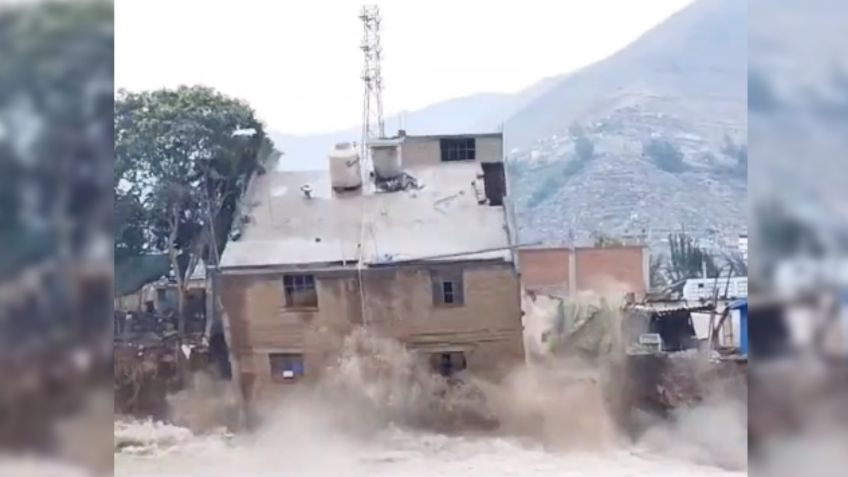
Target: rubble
x=400, y=183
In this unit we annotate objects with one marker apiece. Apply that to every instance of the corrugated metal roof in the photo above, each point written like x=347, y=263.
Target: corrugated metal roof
x=444, y=217
x=663, y=311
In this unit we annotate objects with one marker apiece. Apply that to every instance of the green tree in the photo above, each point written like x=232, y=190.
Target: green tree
x=657, y=273
x=664, y=154
x=584, y=148
x=739, y=152
x=738, y=264
x=687, y=259
x=130, y=224
x=186, y=154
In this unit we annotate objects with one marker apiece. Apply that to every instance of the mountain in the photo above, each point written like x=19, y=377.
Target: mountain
x=666, y=117
x=697, y=58
x=665, y=120
x=484, y=112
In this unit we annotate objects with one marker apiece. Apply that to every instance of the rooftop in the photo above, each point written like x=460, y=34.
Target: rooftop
x=443, y=217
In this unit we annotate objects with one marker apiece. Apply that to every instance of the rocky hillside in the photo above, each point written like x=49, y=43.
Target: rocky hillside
x=661, y=125
x=643, y=142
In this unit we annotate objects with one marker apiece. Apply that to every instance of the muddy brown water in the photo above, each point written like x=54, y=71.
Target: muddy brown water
x=358, y=424
x=162, y=450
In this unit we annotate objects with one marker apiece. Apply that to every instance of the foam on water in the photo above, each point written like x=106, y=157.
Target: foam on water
x=392, y=452
x=372, y=415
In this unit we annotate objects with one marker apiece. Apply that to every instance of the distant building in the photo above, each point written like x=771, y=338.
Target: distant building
x=414, y=245
x=743, y=246
x=141, y=284
x=722, y=288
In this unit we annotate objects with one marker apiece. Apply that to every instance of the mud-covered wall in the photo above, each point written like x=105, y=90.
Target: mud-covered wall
x=486, y=327
x=399, y=304
x=261, y=324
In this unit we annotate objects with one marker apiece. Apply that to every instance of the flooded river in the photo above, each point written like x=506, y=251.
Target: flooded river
x=164, y=450
x=365, y=419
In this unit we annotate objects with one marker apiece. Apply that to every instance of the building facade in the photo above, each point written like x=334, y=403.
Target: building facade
x=423, y=257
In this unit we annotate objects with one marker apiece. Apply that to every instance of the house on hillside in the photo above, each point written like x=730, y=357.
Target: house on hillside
x=412, y=244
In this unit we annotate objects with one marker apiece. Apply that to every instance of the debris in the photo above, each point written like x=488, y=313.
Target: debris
x=402, y=182
x=307, y=190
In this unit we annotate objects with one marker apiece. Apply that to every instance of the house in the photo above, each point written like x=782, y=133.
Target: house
x=609, y=270
x=135, y=277
x=143, y=283
x=412, y=245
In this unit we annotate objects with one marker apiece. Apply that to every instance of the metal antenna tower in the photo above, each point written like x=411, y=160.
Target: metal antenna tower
x=372, y=108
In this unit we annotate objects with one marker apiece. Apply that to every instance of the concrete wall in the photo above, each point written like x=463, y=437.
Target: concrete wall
x=399, y=304
x=600, y=269
x=426, y=150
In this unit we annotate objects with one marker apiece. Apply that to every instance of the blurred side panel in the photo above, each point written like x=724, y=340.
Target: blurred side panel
x=798, y=178
x=56, y=160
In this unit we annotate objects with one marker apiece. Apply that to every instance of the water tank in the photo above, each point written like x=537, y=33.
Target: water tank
x=345, y=167
x=386, y=157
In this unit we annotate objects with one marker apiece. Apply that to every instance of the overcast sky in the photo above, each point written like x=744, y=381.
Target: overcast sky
x=298, y=62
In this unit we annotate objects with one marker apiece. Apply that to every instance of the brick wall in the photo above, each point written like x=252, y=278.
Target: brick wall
x=487, y=327
x=545, y=267
x=611, y=269
x=603, y=270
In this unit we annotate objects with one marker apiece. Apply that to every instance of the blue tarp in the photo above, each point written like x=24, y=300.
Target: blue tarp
x=742, y=306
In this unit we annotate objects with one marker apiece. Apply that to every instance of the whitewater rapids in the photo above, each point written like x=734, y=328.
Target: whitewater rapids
x=364, y=419
x=150, y=449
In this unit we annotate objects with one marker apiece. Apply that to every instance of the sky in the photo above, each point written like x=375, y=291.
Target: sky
x=298, y=62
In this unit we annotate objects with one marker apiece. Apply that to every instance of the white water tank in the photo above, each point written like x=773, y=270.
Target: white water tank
x=386, y=157
x=345, y=167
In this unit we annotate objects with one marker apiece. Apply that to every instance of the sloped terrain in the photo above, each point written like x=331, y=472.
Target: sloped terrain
x=683, y=84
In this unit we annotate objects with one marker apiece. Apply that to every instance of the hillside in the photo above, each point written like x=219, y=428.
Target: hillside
x=682, y=85
x=682, y=88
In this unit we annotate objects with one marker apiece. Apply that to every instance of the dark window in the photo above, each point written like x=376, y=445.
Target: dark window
x=286, y=365
x=300, y=291
x=458, y=149
x=448, y=363
x=447, y=288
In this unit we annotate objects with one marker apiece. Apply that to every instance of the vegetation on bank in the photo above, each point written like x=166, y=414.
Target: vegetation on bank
x=183, y=159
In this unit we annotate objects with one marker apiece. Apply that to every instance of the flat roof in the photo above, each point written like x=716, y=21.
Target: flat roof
x=442, y=218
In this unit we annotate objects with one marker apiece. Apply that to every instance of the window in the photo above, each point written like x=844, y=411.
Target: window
x=448, y=363
x=286, y=365
x=458, y=149
x=447, y=288
x=300, y=291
